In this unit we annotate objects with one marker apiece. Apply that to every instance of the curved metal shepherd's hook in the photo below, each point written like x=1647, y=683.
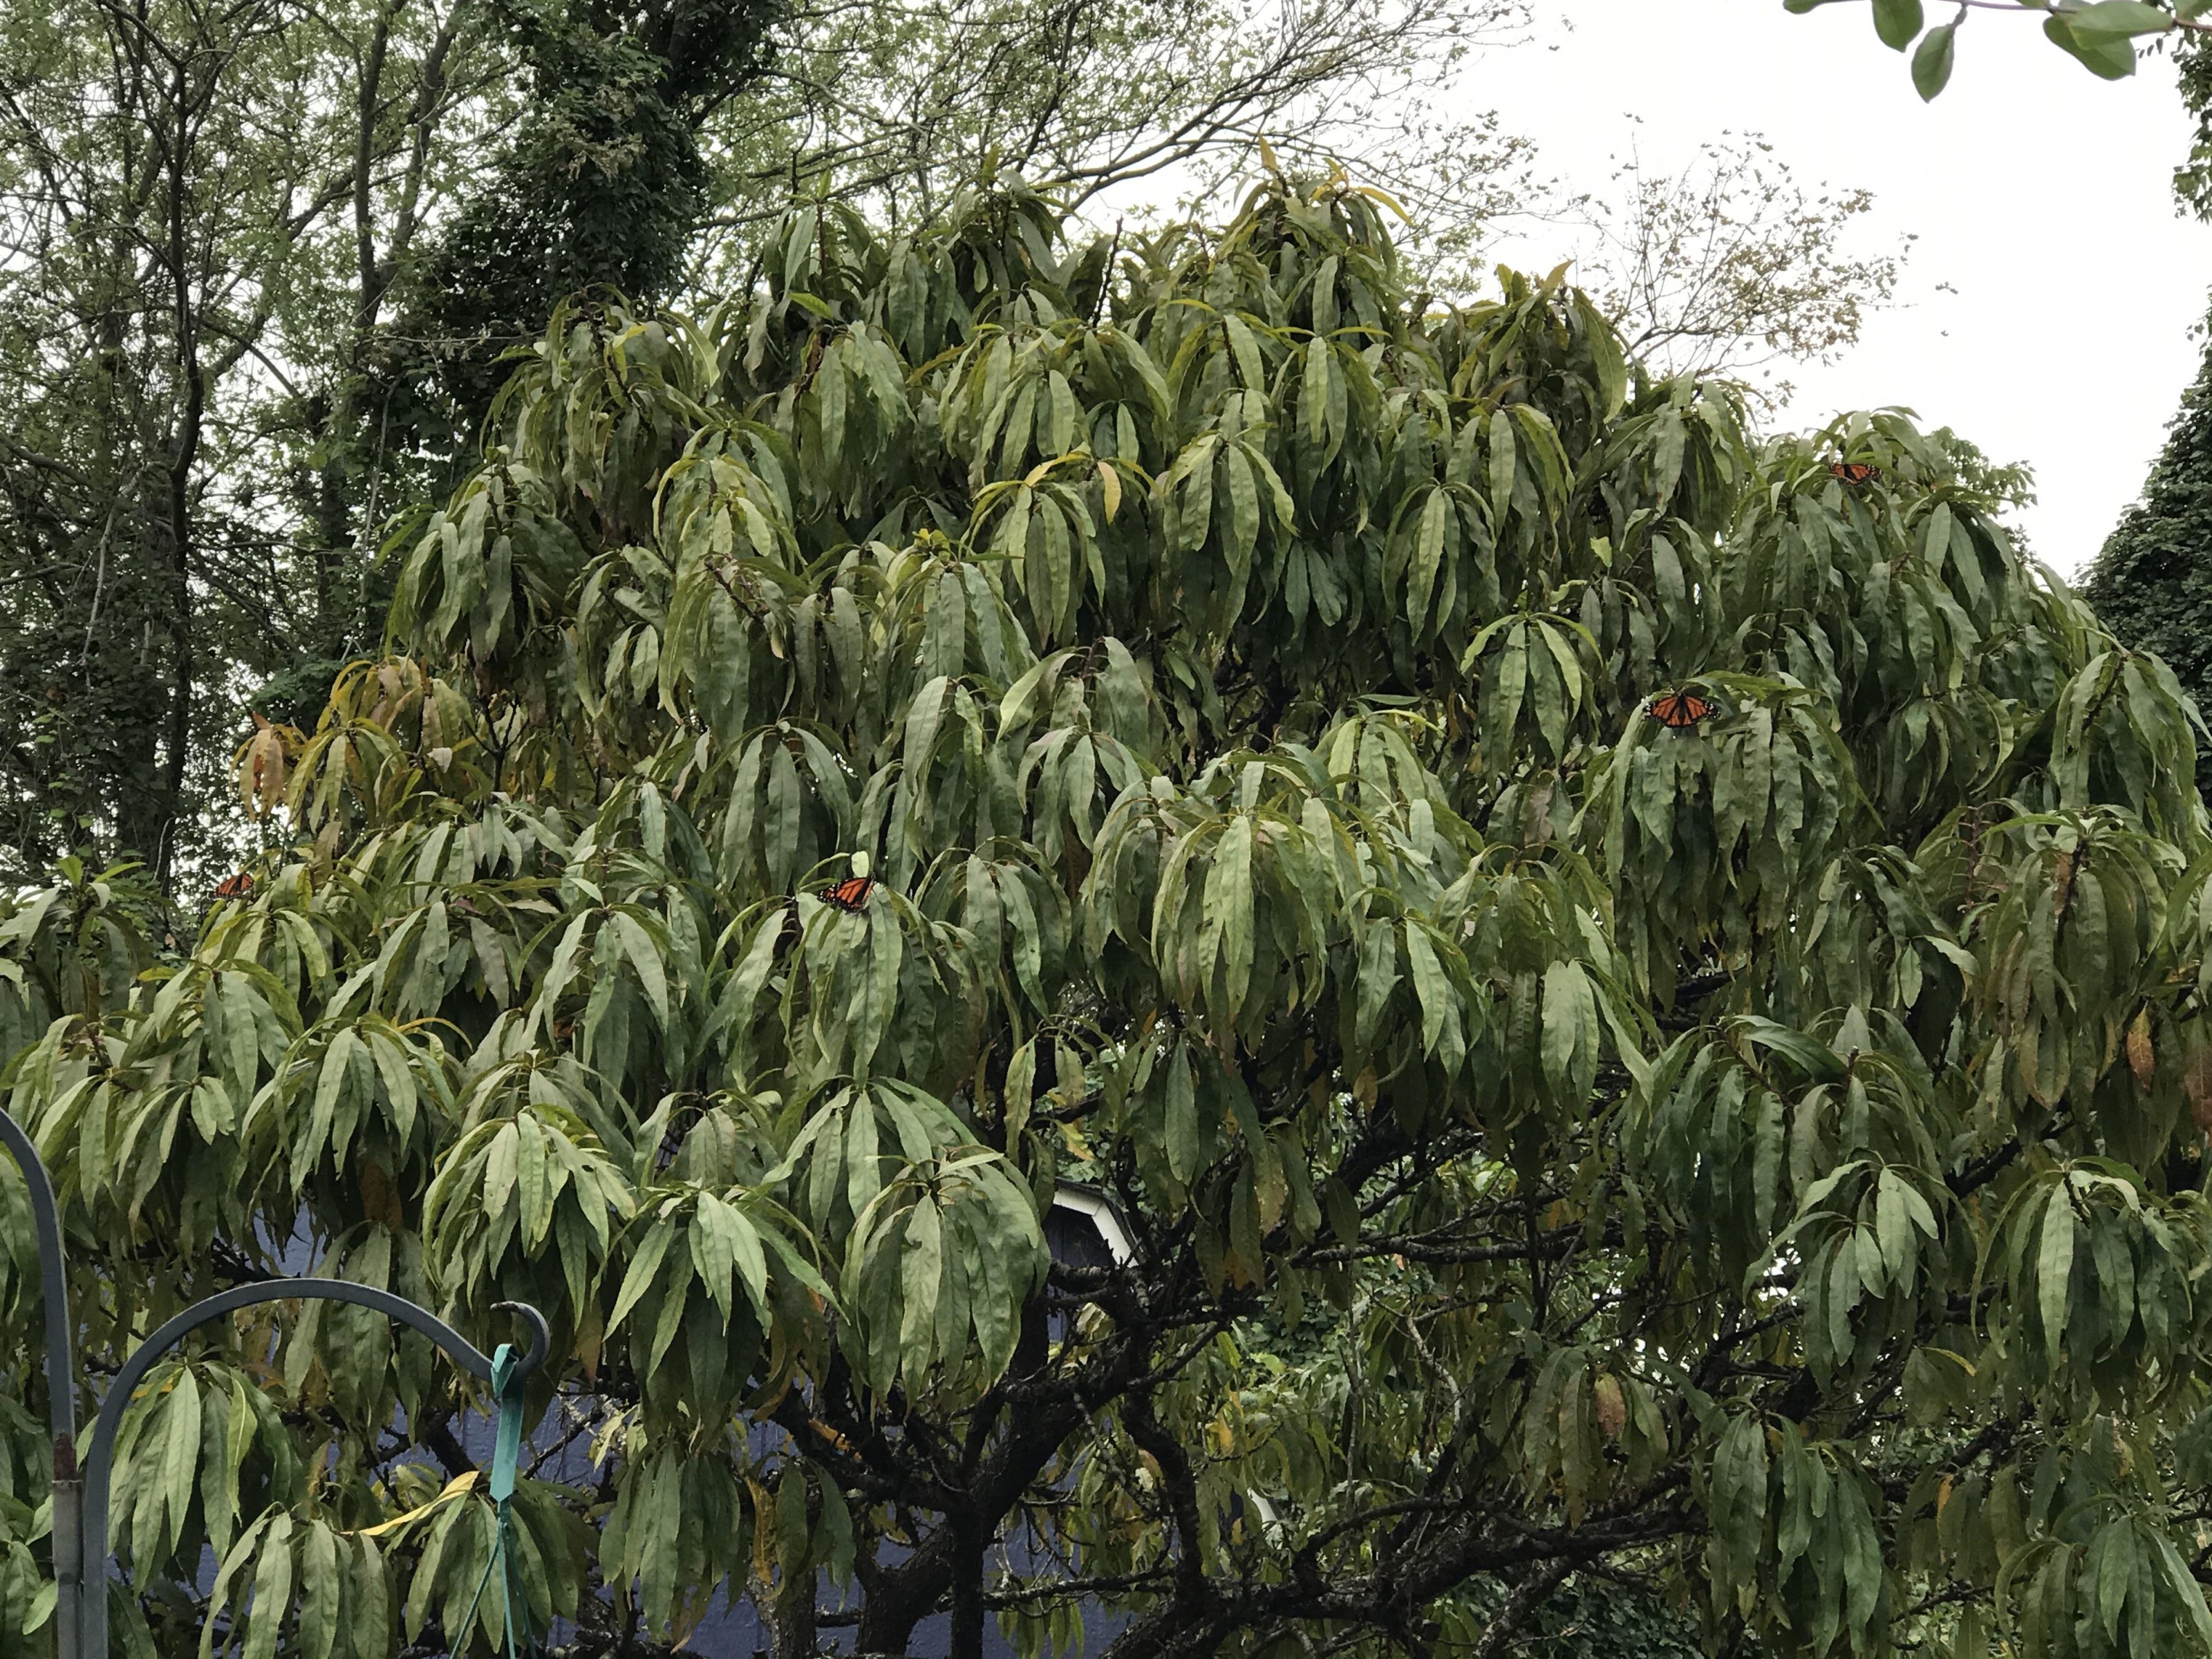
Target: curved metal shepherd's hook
x=61, y=1384
x=80, y=1524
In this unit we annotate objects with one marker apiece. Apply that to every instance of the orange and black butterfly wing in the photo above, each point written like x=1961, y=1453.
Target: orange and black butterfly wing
x=1679, y=710
x=1856, y=473
x=852, y=893
x=232, y=887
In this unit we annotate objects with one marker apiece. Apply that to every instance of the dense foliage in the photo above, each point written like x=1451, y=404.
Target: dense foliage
x=1749, y=1157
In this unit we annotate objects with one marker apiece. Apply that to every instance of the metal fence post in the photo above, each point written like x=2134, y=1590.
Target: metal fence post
x=61, y=1384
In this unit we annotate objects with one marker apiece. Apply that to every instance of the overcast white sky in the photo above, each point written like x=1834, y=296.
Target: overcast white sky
x=2038, y=192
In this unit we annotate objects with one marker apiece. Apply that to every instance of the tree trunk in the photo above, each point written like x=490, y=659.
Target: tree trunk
x=184, y=456
x=967, y=1546
x=791, y=1627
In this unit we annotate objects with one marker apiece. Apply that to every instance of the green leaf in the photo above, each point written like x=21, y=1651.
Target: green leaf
x=2111, y=56
x=1439, y=1004
x=180, y=1452
x=713, y=1250
x=643, y=1266
x=2186, y=1589
x=921, y=1264
x=1428, y=555
x=1182, y=1147
x=272, y=1590
x=1897, y=21
x=638, y=946
x=1228, y=925
x=1931, y=61
x=2054, y=1268
x=1569, y=1023
x=1320, y=369
x=2117, y=17
x=321, y=1592
x=1247, y=351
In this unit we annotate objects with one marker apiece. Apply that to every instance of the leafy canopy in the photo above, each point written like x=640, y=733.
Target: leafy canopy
x=1756, y=1157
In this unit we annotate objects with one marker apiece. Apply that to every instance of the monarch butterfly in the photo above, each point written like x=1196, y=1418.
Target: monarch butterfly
x=1677, y=711
x=1855, y=473
x=850, y=894
x=234, y=887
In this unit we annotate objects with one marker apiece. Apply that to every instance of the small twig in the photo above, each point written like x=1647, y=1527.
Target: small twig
x=1106, y=276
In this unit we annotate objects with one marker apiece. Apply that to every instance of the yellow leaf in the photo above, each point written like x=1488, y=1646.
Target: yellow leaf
x=454, y=1487
x=1110, y=481
x=763, y=1531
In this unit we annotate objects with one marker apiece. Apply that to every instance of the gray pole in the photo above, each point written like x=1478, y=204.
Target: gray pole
x=61, y=1384
x=99, y=1451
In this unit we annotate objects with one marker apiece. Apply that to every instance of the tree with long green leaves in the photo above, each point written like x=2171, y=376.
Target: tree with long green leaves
x=1636, y=996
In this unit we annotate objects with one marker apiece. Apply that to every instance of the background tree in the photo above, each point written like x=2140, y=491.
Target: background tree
x=2153, y=578
x=1728, y=266
x=191, y=214
x=602, y=181
x=1639, y=992
x=902, y=107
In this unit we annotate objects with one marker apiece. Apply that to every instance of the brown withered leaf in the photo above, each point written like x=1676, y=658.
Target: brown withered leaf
x=2197, y=1079
x=380, y=1196
x=2141, y=1060
x=261, y=768
x=591, y=1338
x=1611, y=1405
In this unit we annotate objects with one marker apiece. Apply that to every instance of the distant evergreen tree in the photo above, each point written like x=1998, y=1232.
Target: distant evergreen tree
x=2152, y=583
x=601, y=184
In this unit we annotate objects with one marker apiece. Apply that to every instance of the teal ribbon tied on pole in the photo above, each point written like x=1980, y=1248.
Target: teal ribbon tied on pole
x=506, y=1452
